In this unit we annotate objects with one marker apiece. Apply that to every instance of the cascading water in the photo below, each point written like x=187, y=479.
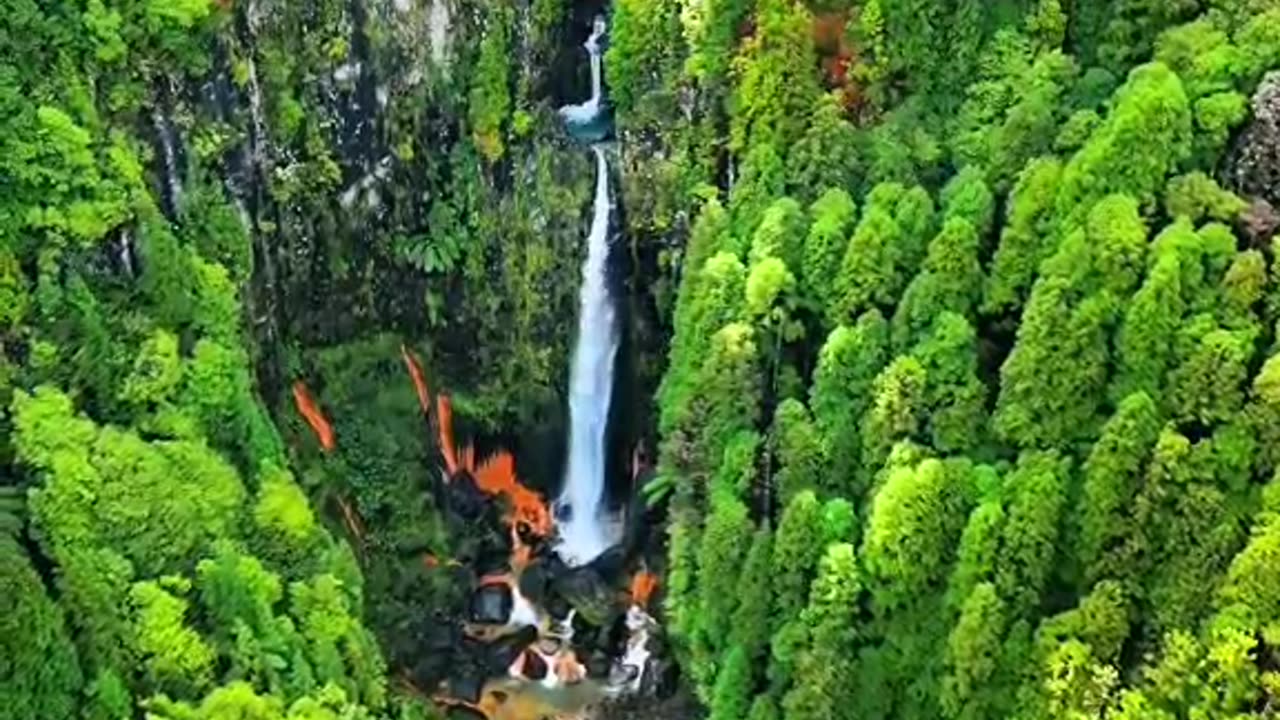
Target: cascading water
x=169, y=157
x=587, y=112
x=584, y=531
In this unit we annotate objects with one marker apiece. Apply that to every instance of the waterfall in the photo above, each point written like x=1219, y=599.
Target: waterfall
x=587, y=112
x=584, y=531
x=169, y=158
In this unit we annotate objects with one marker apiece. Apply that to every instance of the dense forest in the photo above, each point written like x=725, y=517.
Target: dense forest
x=953, y=327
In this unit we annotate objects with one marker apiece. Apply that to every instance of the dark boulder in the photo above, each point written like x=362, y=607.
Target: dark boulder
x=465, y=500
x=598, y=664
x=611, y=565
x=556, y=606
x=491, y=604
x=466, y=685
x=534, y=582
x=589, y=594
x=499, y=654
x=1259, y=223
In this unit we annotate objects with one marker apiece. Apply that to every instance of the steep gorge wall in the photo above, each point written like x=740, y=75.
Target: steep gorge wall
x=398, y=167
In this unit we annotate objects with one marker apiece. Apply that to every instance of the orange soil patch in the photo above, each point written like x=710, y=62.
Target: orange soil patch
x=444, y=416
x=311, y=413
x=643, y=584
x=497, y=476
x=419, y=380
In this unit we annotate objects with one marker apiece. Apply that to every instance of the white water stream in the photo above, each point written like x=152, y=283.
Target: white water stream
x=585, y=113
x=584, y=531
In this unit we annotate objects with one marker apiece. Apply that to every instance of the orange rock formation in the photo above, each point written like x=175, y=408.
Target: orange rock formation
x=311, y=413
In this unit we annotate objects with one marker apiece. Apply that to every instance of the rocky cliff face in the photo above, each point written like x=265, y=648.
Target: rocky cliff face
x=397, y=165
x=1253, y=168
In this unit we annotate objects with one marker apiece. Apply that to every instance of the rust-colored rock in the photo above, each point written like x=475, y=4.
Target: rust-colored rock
x=311, y=413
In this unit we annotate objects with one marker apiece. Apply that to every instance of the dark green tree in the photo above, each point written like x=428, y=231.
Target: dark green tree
x=1112, y=475
x=40, y=674
x=848, y=364
x=824, y=667
x=833, y=215
x=1025, y=238
x=798, y=451
x=826, y=155
x=950, y=281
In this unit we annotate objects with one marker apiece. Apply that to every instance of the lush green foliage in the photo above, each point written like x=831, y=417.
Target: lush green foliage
x=1004, y=314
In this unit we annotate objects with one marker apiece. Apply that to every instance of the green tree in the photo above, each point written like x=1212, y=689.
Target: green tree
x=719, y=563
x=912, y=528
x=715, y=300
x=824, y=667
x=40, y=674
x=731, y=698
x=749, y=627
x=176, y=658
x=1144, y=342
x=825, y=158
x=798, y=451
x=1208, y=386
x=848, y=365
x=1263, y=414
x=974, y=652
x=1145, y=136
x=967, y=197
x=1024, y=237
x=780, y=234
x=954, y=395
x=634, y=62
x=833, y=214
x=489, y=99
x=796, y=550
x=1036, y=492
x=865, y=270
x=950, y=281
x=775, y=86
x=1112, y=475
x=896, y=413
x=727, y=394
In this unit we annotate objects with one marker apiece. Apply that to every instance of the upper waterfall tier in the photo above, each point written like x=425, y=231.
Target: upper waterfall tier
x=589, y=120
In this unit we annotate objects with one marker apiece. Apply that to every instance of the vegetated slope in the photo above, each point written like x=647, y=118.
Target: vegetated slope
x=971, y=407
x=197, y=195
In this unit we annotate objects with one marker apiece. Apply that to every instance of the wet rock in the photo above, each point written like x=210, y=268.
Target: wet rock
x=466, y=686
x=534, y=583
x=1253, y=168
x=491, y=604
x=598, y=664
x=679, y=706
x=491, y=559
x=557, y=607
x=664, y=676
x=500, y=654
x=464, y=713
x=589, y=594
x=465, y=499
x=611, y=564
